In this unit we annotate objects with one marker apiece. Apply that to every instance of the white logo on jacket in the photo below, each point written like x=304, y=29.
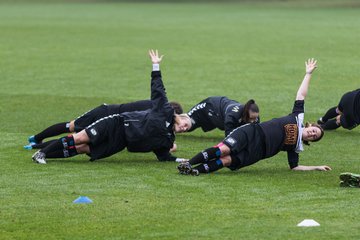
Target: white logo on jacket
x=197, y=107
x=235, y=109
x=231, y=141
x=93, y=131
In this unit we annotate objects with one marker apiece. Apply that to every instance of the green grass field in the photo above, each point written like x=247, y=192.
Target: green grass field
x=57, y=60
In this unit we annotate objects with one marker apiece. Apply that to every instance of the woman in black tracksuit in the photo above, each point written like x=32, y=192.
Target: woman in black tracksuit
x=222, y=113
x=346, y=114
x=250, y=143
x=80, y=123
x=139, y=131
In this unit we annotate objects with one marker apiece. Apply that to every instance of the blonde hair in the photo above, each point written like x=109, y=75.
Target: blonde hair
x=181, y=116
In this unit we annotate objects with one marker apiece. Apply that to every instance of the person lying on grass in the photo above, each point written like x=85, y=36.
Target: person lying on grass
x=346, y=114
x=222, y=113
x=80, y=123
x=251, y=143
x=139, y=131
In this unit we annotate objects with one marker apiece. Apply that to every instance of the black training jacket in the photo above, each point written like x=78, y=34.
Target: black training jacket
x=285, y=134
x=152, y=130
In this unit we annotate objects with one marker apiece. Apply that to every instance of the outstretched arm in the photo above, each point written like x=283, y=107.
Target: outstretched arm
x=154, y=56
x=310, y=168
x=310, y=66
x=293, y=159
x=158, y=94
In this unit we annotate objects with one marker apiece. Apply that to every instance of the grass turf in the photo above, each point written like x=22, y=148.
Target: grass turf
x=59, y=60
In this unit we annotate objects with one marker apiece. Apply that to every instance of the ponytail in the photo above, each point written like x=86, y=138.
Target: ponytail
x=249, y=106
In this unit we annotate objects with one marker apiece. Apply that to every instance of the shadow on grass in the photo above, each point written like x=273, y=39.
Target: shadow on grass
x=344, y=132
x=264, y=171
x=107, y=161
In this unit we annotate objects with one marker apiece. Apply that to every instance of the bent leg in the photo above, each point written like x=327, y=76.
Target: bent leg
x=83, y=148
x=42, y=145
x=54, y=130
x=66, y=144
x=338, y=120
x=209, y=154
x=331, y=113
x=226, y=160
x=65, y=153
x=81, y=137
x=331, y=124
x=214, y=165
x=72, y=126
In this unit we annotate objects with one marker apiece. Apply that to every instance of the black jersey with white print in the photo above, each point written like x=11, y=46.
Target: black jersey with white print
x=285, y=134
x=216, y=112
x=152, y=130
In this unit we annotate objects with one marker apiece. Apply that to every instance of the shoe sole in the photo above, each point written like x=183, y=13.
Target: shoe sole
x=39, y=161
x=351, y=179
x=345, y=185
x=184, y=169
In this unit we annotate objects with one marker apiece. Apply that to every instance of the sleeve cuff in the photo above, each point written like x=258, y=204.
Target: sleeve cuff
x=156, y=67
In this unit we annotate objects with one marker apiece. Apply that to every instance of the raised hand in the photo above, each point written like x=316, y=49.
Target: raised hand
x=310, y=65
x=154, y=56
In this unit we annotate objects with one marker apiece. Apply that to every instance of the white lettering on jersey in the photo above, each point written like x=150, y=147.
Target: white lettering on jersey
x=235, y=109
x=205, y=155
x=206, y=167
x=197, y=107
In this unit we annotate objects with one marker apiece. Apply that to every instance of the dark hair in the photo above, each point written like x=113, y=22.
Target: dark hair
x=177, y=107
x=307, y=124
x=252, y=106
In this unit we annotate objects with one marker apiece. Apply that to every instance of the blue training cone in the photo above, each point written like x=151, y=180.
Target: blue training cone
x=82, y=199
